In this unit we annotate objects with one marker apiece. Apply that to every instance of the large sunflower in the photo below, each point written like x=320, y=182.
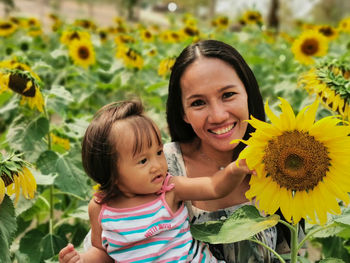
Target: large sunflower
x=82, y=53
x=14, y=175
x=302, y=166
x=308, y=45
x=18, y=77
x=330, y=81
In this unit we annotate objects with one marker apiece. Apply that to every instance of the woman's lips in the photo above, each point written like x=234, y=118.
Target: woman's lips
x=223, y=130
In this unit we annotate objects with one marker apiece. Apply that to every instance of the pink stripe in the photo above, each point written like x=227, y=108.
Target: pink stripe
x=159, y=252
x=173, y=258
x=135, y=208
x=131, y=214
x=144, y=241
x=154, y=221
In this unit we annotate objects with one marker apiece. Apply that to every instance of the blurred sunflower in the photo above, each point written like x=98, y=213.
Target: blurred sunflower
x=221, y=22
x=344, y=25
x=68, y=36
x=251, y=17
x=308, y=45
x=82, y=53
x=103, y=34
x=85, y=23
x=329, y=32
x=330, y=81
x=302, y=165
x=147, y=35
x=121, y=39
x=152, y=52
x=7, y=28
x=190, y=31
x=19, y=78
x=165, y=66
x=130, y=57
x=60, y=141
x=14, y=176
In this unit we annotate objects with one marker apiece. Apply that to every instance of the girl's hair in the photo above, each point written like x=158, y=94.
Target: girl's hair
x=180, y=130
x=99, y=147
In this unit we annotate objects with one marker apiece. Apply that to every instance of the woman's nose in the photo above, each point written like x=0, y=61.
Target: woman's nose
x=217, y=113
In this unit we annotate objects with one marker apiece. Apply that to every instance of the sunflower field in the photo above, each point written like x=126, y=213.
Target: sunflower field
x=53, y=81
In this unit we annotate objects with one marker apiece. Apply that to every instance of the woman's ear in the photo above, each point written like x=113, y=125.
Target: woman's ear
x=185, y=119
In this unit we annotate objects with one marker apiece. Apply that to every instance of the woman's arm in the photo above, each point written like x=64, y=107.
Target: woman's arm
x=213, y=187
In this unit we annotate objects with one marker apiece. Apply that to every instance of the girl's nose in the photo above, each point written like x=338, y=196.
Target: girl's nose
x=155, y=165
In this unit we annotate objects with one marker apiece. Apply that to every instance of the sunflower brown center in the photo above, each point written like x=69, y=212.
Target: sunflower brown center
x=310, y=46
x=5, y=26
x=83, y=52
x=326, y=31
x=18, y=83
x=296, y=161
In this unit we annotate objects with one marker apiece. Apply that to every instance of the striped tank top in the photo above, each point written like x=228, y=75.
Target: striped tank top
x=151, y=232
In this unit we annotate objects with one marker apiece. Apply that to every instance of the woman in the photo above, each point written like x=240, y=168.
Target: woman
x=212, y=91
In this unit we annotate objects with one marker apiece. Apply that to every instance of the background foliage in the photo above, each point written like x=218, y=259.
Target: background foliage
x=35, y=230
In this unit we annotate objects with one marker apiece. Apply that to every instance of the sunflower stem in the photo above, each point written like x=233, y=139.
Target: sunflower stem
x=51, y=222
x=310, y=234
x=294, y=244
x=291, y=228
x=268, y=248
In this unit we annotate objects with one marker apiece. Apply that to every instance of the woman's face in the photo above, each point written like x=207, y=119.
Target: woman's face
x=215, y=102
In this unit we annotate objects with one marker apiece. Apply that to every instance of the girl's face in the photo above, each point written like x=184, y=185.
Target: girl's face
x=142, y=173
x=215, y=102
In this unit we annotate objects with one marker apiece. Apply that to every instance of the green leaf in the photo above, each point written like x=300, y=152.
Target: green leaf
x=244, y=223
x=47, y=162
x=7, y=228
x=331, y=260
x=27, y=138
x=71, y=177
x=37, y=129
x=29, y=245
x=51, y=245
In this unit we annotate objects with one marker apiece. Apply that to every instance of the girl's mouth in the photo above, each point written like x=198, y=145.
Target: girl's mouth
x=157, y=179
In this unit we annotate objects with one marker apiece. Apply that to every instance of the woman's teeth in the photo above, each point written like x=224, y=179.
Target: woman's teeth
x=222, y=130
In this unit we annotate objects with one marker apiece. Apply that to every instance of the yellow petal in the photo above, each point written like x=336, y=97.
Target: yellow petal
x=287, y=117
x=2, y=190
x=272, y=117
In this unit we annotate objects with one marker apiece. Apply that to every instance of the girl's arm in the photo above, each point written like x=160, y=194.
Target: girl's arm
x=213, y=187
x=96, y=253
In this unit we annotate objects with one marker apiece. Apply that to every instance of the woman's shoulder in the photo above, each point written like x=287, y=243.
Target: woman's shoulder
x=173, y=155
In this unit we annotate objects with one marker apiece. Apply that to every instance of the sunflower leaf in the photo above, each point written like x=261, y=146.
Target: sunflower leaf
x=71, y=177
x=331, y=260
x=8, y=227
x=244, y=223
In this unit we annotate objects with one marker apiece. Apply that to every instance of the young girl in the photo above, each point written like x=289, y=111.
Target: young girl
x=138, y=214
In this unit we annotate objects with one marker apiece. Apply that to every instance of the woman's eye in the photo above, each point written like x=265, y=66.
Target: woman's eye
x=197, y=103
x=143, y=161
x=228, y=94
x=160, y=152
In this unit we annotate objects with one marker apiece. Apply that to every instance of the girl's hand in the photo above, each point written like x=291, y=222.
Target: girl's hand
x=69, y=255
x=241, y=167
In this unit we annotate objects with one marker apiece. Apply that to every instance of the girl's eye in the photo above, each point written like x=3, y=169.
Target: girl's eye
x=160, y=152
x=197, y=103
x=143, y=161
x=228, y=94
